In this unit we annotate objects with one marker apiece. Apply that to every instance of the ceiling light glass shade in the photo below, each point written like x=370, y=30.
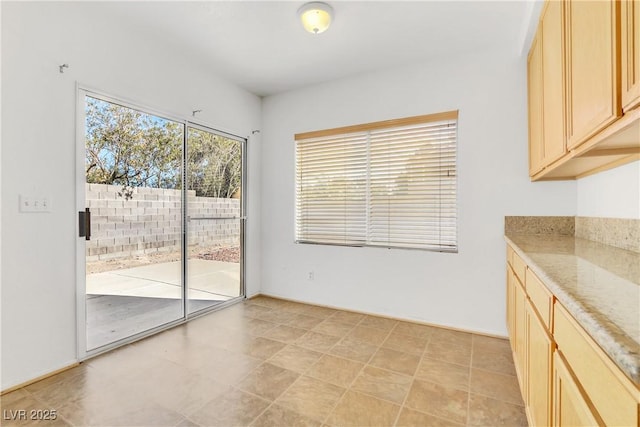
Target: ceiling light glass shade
x=316, y=17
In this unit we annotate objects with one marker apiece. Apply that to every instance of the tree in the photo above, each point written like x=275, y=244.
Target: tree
x=130, y=148
x=134, y=149
x=214, y=164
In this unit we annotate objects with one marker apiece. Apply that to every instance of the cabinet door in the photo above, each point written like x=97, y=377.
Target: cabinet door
x=630, y=54
x=569, y=406
x=552, y=79
x=521, y=337
x=539, y=362
x=593, y=96
x=511, y=301
x=534, y=68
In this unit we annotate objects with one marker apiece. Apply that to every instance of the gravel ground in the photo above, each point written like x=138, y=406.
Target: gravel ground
x=220, y=253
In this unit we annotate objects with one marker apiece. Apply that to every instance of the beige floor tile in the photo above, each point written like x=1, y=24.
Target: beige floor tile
x=17, y=411
x=277, y=416
x=383, y=384
x=491, y=359
x=378, y=322
x=188, y=423
x=267, y=301
x=406, y=343
x=316, y=311
x=258, y=326
x=260, y=347
x=311, y=397
x=371, y=336
x=443, y=402
x=235, y=408
x=276, y=316
x=185, y=392
x=484, y=411
x=354, y=350
x=9, y=398
x=495, y=385
x=268, y=381
x=253, y=310
x=285, y=334
x=303, y=321
x=105, y=406
x=146, y=414
x=347, y=317
x=397, y=361
x=414, y=329
x=295, y=358
x=59, y=389
x=357, y=410
x=447, y=374
x=411, y=418
x=317, y=341
x=226, y=367
x=460, y=355
x=70, y=375
x=452, y=337
x=333, y=327
x=491, y=343
x=335, y=370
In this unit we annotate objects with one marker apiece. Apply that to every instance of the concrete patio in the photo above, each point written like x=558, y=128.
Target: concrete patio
x=124, y=302
x=207, y=280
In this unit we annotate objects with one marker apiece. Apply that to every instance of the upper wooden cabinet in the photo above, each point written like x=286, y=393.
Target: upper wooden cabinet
x=535, y=85
x=554, y=140
x=592, y=63
x=584, y=88
x=630, y=53
x=545, y=67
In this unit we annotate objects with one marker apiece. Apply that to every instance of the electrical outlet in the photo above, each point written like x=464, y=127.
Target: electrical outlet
x=311, y=276
x=31, y=204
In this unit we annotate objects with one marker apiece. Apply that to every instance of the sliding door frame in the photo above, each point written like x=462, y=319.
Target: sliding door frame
x=82, y=91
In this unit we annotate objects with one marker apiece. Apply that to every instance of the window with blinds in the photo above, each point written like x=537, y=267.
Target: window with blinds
x=388, y=184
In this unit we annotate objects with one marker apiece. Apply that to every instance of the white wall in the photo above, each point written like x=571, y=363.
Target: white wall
x=464, y=290
x=38, y=157
x=611, y=194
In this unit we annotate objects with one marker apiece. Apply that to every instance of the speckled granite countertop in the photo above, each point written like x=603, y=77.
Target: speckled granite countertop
x=598, y=284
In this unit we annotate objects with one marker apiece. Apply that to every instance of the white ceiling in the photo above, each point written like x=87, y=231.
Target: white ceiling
x=261, y=46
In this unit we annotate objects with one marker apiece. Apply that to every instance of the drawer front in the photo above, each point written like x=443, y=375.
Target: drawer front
x=540, y=298
x=519, y=267
x=614, y=397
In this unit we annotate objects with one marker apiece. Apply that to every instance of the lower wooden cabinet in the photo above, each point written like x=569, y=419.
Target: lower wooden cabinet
x=565, y=377
x=539, y=363
x=520, y=353
x=569, y=405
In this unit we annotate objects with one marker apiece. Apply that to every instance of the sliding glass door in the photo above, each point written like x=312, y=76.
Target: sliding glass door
x=214, y=217
x=154, y=250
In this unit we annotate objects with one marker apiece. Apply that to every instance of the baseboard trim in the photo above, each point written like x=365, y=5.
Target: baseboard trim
x=402, y=319
x=40, y=378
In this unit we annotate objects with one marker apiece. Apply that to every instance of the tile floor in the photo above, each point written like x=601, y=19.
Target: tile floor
x=268, y=362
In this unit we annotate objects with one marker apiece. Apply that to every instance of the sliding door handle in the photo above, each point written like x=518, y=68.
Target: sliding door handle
x=84, y=224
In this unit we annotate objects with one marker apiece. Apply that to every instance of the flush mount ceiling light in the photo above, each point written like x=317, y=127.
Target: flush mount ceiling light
x=316, y=17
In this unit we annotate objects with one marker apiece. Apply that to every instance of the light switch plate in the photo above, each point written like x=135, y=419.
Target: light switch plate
x=35, y=204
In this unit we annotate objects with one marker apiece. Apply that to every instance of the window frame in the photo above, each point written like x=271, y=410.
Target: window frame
x=385, y=125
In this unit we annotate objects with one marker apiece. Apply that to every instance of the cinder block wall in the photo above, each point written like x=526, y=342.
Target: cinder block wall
x=150, y=222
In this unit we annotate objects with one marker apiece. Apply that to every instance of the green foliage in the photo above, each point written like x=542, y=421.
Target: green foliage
x=215, y=164
x=134, y=149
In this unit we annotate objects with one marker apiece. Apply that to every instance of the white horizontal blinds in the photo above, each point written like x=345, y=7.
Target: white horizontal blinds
x=412, y=177
x=389, y=184
x=331, y=189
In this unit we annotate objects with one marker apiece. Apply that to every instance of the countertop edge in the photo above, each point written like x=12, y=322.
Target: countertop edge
x=622, y=356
